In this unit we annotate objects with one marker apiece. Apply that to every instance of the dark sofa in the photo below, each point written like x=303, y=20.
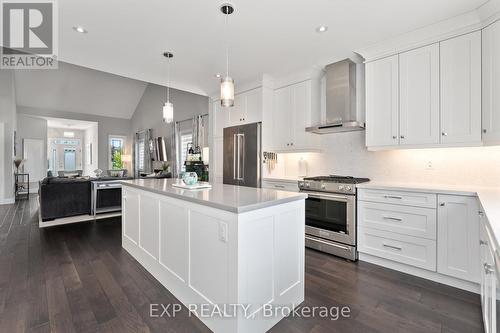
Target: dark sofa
x=64, y=197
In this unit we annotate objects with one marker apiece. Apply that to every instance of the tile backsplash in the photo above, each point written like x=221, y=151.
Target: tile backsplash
x=346, y=154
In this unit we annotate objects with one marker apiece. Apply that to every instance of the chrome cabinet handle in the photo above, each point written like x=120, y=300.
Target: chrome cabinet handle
x=482, y=242
x=480, y=213
x=484, y=130
x=393, y=197
x=279, y=186
x=402, y=136
x=441, y=204
x=394, y=137
x=488, y=269
x=444, y=134
x=393, y=247
x=392, y=218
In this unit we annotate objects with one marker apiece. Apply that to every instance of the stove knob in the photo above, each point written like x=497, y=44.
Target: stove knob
x=348, y=188
x=307, y=184
x=301, y=184
x=341, y=187
x=323, y=186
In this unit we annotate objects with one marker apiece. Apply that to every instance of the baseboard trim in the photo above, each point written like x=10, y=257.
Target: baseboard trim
x=76, y=219
x=422, y=273
x=7, y=201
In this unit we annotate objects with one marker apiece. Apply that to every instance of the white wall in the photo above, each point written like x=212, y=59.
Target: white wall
x=32, y=128
x=90, y=137
x=8, y=118
x=346, y=154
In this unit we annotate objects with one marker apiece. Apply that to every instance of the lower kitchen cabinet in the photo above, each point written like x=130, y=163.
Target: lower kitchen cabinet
x=415, y=233
x=489, y=280
x=458, y=237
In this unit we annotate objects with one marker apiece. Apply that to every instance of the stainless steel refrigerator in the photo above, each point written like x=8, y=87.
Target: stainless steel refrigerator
x=242, y=154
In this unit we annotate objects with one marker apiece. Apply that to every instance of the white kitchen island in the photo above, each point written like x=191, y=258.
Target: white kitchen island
x=232, y=255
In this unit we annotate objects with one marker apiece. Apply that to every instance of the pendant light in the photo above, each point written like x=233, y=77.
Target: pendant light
x=168, y=107
x=227, y=83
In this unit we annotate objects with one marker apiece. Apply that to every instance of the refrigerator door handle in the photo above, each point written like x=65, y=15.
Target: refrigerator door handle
x=241, y=156
x=236, y=154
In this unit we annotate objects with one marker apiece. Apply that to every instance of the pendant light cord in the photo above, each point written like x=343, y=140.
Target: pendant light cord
x=227, y=46
x=168, y=80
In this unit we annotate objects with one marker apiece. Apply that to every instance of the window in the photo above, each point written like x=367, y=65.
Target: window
x=116, y=149
x=140, y=151
x=186, y=138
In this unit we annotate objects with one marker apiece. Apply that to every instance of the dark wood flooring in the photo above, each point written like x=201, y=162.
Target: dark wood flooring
x=77, y=278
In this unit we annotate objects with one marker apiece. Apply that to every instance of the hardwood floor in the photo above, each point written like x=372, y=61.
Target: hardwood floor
x=77, y=278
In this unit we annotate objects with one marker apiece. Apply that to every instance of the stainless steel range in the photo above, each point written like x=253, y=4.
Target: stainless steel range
x=331, y=214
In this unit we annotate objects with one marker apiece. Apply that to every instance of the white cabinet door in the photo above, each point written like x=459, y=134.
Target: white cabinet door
x=458, y=237
x=491, y=83
x=301, y=103
x=488, y=281
x=236, y=114
x=282, y=118
x=253, y=111
x=217, y=165
x=460, y=62
x=131, y=215
x=419, y=96
x=382, y=102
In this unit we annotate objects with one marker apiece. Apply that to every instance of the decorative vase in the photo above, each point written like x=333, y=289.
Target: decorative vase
x=190, y=178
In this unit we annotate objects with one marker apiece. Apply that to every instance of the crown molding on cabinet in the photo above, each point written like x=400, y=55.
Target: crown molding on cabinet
x=453, y=27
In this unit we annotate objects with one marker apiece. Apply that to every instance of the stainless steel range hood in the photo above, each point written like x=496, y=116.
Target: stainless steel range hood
x=341, y=113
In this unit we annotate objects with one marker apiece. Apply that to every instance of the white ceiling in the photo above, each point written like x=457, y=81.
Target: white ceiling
x=69, y=123
x=77, y=89
x=127, y=37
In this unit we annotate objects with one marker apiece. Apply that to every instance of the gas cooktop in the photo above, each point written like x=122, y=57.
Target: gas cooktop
x=338, y=179
x=332, y=184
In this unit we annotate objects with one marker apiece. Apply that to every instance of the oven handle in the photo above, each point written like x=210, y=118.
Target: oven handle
x=327, y=196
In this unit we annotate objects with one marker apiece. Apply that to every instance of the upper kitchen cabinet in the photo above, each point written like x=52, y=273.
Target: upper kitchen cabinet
x=247, y=108
x=491, y=84
x=429, y=96
x=382, y=98
x=295, y=107
x=419, y=96
x=460, y=62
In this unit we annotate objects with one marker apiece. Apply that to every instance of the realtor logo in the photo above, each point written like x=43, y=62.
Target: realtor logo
x=28, y=34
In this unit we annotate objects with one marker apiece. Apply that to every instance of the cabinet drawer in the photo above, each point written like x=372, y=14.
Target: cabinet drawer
x=406, y=220
x=414, y=251
x=427, y=200
x=283, y=186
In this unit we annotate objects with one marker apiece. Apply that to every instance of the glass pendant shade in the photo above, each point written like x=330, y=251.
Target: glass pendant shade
x=168, y=112
x=227, y=92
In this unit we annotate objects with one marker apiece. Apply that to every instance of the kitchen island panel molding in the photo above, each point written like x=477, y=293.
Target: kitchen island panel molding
x=213, y=256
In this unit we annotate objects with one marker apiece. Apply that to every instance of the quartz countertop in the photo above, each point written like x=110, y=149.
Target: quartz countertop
x=489, y=197
x=235, y=199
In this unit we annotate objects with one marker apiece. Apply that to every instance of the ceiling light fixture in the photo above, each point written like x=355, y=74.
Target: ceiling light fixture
x=227, y=83
x=321, y=28
x=80, y=29
x=168, y=107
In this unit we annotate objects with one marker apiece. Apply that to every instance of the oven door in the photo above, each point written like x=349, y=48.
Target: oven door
x=331, y=216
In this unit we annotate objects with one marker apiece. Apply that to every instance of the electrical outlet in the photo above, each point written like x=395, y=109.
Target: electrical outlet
x=223, y=232
x=429, y=165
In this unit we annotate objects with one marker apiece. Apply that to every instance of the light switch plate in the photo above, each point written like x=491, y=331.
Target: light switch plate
x=223, y=232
